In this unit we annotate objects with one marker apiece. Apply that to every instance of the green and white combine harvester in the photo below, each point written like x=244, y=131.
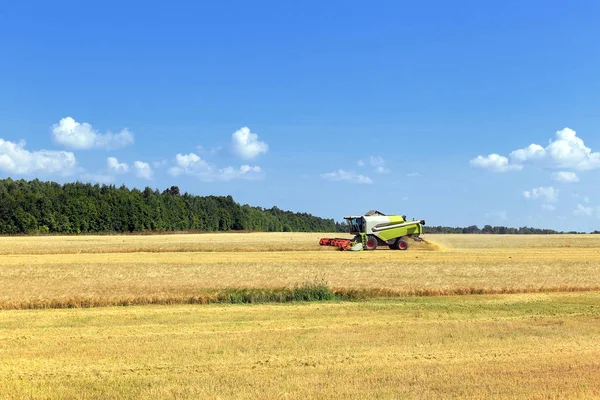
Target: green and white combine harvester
x=376, y=229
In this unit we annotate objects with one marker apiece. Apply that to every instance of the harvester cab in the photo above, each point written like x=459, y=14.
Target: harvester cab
x=374, y=229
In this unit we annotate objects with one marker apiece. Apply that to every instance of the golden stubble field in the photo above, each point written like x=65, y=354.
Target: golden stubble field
x=490, y=346
x=69, y=270
x=542, y=343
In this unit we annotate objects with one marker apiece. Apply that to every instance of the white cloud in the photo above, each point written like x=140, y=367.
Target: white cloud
x=531, y=152
x=15, y=159
x=190, y=161
x=192, y=165
x=244, y=169
x=565, y=176
x=244, y=172
x=376, y=161
x=583, y=210
x=143, y=170
x=113, y=165
x=548, y=207
x=585, y=199
x=346, y=176
x=98, y=178
x=545, y=194
x=189, y=164
x=360, y=163
x=567, y=152
x=75, y=135
x=494, y=162
x=379, y=163
x=246, y=144
x=160, y=164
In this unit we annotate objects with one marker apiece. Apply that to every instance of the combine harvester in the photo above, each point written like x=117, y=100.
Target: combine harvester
x=377, y=229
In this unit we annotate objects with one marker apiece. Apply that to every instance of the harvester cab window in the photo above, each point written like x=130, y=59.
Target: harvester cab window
x=356, y=225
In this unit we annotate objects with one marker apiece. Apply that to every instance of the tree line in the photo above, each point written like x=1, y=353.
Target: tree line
x=497, y=230
x=49, y=207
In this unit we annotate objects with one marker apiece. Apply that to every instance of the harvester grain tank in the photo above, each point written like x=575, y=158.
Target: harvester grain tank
x=375, y=229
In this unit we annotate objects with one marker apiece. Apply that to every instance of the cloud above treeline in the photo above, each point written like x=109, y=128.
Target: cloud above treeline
x=15, y=159
x=545, y=194
x=81, y=136
x=346, y=176
x=246, y=145
x=565, y=152
x=140, y=169
x=566, y=155
x=115, y=166
x=194, y=166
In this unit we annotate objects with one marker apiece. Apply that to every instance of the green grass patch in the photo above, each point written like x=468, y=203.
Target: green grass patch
x=316, y=289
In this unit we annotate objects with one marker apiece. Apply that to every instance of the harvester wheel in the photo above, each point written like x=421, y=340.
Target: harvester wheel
x=371, y=243
x=402, y=244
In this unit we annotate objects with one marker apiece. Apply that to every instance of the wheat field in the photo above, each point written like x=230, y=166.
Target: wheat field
x=261, y=242
x=72, y=271
x=531, y=346
x=530, y=332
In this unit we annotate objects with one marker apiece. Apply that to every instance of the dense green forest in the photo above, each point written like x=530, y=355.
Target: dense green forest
x=48, y=207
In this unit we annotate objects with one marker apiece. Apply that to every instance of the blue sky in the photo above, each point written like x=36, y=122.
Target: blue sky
x=332, y=108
